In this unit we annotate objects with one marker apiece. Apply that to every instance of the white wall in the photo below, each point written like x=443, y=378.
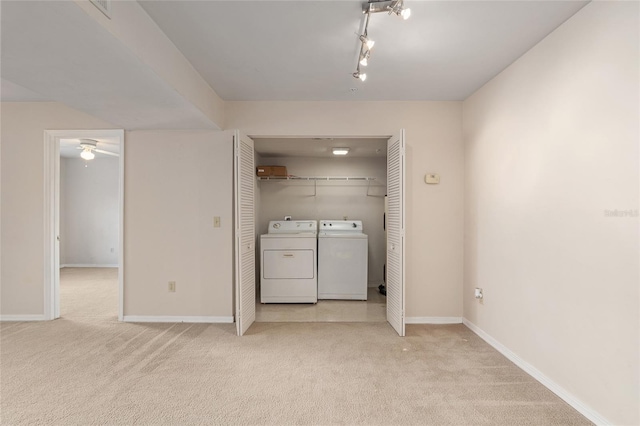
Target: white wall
x=434, y=243
x=551, y=144
x=89, y=211
x=22, y=226
x=333, y=200
x=175, y=183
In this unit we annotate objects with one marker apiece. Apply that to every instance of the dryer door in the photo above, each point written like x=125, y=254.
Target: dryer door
x=288, y=264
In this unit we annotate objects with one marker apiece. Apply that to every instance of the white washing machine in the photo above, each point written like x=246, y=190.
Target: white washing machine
x=342, y=260
x=288, y=262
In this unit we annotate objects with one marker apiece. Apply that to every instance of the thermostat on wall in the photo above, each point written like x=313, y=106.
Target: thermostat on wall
x=432, y=178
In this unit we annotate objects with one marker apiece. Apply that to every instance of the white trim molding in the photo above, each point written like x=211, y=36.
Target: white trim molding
x=569, y=398
x=191, y=319
x=433, y=320
x=22, y=318
x=84, y=265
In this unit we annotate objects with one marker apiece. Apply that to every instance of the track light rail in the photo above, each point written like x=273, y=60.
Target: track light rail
x=373, y=6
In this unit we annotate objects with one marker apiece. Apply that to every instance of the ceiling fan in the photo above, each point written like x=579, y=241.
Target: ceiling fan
x=89, y=147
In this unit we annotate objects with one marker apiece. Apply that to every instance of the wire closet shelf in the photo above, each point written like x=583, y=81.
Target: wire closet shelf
x=316, y=179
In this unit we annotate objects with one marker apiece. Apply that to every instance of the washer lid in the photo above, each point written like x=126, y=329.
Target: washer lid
x=341, y=226
x=351, y=235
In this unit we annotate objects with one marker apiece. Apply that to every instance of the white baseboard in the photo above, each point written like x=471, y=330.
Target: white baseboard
x=191, y=319
x=89, y=265
x=22, y=318
x=433, y=320
x=570, y=399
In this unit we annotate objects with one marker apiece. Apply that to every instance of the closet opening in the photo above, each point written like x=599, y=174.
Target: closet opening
x=320, y=229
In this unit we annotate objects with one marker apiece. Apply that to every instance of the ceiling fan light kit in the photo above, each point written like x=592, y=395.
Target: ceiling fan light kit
x=391, y=7
x=87, y=154
x=89, y=147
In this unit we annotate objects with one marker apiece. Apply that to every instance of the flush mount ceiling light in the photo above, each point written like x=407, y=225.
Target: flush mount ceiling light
x=340, y=151
x=374, y=6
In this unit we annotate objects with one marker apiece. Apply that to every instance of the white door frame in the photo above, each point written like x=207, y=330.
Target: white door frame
x=52, y=215
x=404, y=203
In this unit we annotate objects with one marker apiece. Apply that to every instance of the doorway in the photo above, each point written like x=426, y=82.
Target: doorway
x=86, y=236
x=319, y=188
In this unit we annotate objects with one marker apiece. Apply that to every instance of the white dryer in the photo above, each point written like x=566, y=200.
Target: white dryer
x=342, y=260
x=288, y=262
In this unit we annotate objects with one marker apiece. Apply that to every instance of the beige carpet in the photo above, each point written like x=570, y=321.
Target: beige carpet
x=87, y=368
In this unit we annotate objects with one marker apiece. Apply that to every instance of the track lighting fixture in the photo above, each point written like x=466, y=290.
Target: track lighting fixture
x=374, y=6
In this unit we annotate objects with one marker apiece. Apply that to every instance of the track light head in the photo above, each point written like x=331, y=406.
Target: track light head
x=398, y=8
x=389, y=6
x=360, y=75
x=364, y=58
x=367, y=42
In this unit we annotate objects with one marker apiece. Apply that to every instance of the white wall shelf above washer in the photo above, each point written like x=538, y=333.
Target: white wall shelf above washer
x=317, y=178
x=313, y=180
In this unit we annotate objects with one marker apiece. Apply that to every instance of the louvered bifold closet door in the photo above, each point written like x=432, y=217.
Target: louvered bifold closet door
x=245, y=233
x=395, y=232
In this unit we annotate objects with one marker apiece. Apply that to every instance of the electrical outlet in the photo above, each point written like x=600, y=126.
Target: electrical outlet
x=216, y=221
x=478, y=293
x=172, y=286
x=112, y=249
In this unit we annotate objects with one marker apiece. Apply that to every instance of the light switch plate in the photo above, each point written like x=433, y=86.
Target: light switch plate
x=216, y=221
x=432, y=178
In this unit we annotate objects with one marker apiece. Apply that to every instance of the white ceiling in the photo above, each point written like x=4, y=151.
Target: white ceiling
x=307, y=50
x=54, y=50
x=12, y=92
x=320, y=147
x=265, y=50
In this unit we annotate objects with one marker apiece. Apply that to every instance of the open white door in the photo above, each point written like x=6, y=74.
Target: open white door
x=395, y=231
x=245, y=257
